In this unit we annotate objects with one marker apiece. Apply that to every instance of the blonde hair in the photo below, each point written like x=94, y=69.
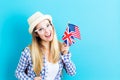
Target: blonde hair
x=36, y=52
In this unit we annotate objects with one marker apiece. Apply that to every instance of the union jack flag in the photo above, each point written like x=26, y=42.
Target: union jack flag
x=71, y=32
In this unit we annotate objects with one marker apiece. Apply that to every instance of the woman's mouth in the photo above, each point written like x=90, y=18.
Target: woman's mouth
x=48, y=36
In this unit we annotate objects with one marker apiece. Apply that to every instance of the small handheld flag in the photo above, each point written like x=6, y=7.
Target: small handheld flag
x=71, y=32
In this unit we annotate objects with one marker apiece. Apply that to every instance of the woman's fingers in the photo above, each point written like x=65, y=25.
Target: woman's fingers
x=64, y=44
x=65, y=48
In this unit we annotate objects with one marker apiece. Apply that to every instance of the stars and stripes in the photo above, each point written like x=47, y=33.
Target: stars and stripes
x=71, y=32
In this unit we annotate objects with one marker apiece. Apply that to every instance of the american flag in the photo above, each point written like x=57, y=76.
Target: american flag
x=71, y=32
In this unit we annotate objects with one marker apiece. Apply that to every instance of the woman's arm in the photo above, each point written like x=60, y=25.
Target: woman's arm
x=22, y=65
x=68, y=65
x=66, y=58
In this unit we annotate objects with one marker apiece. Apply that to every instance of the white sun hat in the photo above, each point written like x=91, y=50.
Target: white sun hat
x=36, y=18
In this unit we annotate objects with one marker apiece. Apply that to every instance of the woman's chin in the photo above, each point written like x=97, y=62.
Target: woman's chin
x=48, y=39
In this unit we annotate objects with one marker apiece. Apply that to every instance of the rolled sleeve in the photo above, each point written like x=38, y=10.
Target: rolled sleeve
x=68, y=64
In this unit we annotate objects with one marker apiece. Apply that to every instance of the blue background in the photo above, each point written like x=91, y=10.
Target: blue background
x=96, y=55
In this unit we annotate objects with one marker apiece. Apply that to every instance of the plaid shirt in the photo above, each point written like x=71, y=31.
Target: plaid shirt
x=25, y=62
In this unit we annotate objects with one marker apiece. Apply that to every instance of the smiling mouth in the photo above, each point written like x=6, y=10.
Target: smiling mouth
x=48, y=36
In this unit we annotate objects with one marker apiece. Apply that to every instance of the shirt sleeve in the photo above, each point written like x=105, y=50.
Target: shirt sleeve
x=68, y=64
x=22, y=65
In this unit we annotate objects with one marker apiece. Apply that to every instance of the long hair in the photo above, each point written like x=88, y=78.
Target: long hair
x=36, y=52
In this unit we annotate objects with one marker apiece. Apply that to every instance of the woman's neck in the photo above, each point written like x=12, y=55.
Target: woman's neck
x=46, y=45
x=46, y=51
x=46, y=48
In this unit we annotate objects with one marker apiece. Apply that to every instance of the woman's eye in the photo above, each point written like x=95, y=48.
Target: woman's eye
x=48, y=25
x=40, y=29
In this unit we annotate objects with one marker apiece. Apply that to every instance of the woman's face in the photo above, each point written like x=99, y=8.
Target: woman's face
x=45, y=31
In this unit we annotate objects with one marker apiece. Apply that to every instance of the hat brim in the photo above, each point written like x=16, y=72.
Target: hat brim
x=38, y=20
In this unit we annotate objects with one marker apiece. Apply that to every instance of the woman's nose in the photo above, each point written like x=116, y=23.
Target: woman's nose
x=46, y=30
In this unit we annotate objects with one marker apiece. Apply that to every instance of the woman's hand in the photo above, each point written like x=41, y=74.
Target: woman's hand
x=64, y=48
x=37, y=78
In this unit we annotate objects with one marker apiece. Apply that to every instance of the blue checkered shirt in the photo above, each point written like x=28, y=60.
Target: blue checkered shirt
x=25, y=62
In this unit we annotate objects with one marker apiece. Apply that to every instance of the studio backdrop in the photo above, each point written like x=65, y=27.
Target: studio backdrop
x=96, y=55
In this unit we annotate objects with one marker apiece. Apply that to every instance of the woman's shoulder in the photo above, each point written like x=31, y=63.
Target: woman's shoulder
x=26, y=51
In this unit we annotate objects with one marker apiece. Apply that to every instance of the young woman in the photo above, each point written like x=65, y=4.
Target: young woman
x=45, y=58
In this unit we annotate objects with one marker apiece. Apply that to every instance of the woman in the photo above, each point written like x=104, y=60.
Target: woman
x=45, y=58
